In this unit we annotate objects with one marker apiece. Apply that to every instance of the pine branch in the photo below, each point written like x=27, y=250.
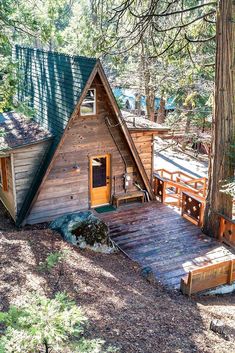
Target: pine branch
x=202, y=40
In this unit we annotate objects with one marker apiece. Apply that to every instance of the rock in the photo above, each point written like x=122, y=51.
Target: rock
x=217, y=326
x=85, y=230
x=147, y=273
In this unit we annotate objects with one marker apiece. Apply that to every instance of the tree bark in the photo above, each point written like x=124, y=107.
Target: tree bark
x=150, y=98
x=138, y=104
x=161, y=114
x=149, y=90
x=223, y=130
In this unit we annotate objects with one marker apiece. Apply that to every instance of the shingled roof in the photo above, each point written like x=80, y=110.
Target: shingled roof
x=16, y=130
x=51, y=84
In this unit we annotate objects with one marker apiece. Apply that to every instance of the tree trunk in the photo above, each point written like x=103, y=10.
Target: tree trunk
x=150, y=106
x=138, y=104
x=221, y=166
x=149, y=90
x=161, y=114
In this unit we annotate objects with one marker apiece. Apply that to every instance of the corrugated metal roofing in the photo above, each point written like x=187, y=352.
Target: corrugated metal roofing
x=52, y=84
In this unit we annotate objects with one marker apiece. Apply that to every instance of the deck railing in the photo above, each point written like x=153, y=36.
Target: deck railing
x=208, y=277
x=193, y=208
x=227, y=230
x=168, y=186
x=180, y=189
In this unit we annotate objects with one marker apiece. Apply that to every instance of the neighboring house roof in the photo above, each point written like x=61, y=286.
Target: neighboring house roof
x=16, y=130
x=135, y=122
x=130, y=94
x=54, y=85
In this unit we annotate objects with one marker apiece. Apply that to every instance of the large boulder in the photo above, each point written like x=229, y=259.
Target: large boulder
x=85, y=230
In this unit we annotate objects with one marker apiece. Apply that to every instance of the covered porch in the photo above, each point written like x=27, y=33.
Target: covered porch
x=155, y=235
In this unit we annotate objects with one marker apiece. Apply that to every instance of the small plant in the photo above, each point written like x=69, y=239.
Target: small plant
x=2, y=132
x=52, y=260
x=46, y=326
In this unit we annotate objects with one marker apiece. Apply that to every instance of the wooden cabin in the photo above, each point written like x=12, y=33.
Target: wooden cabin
x=143, y=133
x=76, y=151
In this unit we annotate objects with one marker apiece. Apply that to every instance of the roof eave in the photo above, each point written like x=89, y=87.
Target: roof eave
x=13, y=149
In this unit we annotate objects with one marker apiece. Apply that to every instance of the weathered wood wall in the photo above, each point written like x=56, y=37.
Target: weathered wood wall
x=7, y=197
x=66, y=190
x=144, y=144
x=26, y=163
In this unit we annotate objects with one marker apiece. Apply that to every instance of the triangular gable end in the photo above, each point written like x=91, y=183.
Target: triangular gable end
x=97, y=70
x=126, y=132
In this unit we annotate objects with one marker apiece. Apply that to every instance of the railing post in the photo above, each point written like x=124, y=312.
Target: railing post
x=230, y=277
x=190, y=280
x=204, y=187
x=164, y=192
x=154, y=185
x=201, y=215
x=221, y=229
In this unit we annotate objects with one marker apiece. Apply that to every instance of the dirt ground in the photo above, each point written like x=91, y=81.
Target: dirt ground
x=123, y=308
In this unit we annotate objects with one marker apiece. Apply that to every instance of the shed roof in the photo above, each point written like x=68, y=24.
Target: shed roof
x=16, y=130
x=135, y=122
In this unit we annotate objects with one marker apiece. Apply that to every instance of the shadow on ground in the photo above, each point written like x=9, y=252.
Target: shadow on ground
x=123, y=308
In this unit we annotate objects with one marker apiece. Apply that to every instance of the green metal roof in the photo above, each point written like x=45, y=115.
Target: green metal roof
x=52, y=84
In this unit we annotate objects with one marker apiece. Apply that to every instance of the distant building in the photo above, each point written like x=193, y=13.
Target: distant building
x=128, y=99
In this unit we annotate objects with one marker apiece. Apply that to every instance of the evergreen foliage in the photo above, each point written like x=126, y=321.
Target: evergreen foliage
x=47, y=325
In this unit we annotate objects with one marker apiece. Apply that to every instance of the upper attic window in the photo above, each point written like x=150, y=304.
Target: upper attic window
x=88, y=106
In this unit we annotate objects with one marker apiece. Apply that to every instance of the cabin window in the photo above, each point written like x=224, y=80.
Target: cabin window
x=88, y=106
x=3, y=174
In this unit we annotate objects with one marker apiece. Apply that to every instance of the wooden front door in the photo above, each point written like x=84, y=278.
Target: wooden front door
x=100, y=180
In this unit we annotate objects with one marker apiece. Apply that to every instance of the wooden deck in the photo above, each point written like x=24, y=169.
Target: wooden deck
x=155, y=235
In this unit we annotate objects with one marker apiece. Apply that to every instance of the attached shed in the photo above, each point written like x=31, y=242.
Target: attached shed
x=143, y=133
x=88, y=155
x=23, y=145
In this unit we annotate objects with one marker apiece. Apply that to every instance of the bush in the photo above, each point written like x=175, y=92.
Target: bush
x=46, y=325
x=52, y=260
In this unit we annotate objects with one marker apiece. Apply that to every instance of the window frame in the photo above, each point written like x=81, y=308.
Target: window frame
x=88, y=100
x=3, y=174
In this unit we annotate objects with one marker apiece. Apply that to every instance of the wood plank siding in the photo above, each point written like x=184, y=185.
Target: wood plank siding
x=26, y=162
x=66, y=189
x=144, y=144
x=7, y=193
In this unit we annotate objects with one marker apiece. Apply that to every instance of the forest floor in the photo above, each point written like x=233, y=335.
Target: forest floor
x=169, y=156
x=123, y=308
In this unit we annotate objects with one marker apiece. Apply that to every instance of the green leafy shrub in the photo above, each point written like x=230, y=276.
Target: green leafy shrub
x=52, y=260
x=46, y=325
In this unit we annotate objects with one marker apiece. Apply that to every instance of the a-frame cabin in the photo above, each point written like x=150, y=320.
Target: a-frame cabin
x=88, y=154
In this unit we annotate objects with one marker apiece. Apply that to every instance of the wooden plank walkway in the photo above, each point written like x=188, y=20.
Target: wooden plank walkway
x=155, y=235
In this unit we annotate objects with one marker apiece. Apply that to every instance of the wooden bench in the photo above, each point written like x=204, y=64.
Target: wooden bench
x=208, y=277
x=128, y=196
